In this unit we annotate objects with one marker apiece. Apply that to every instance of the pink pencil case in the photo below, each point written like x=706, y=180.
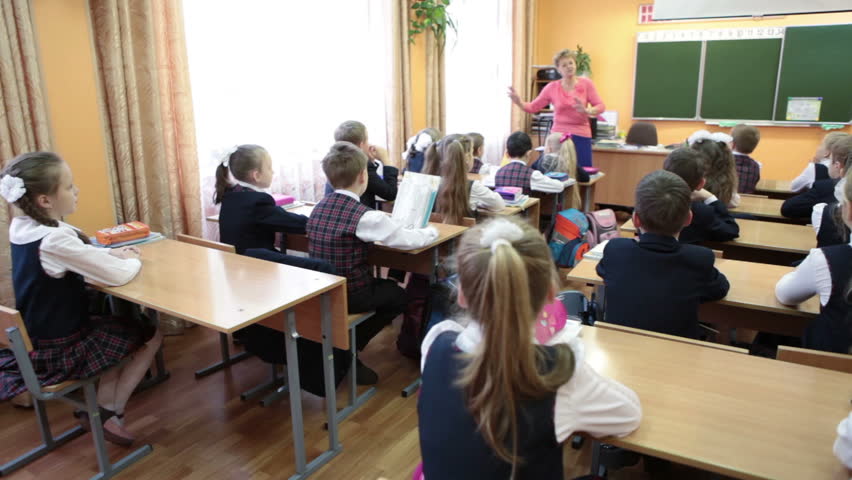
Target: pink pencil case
x=591, y=170
x=551, y=319
x=282, y=199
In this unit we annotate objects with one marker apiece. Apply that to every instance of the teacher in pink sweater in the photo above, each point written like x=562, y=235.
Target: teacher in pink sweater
x=574, y=100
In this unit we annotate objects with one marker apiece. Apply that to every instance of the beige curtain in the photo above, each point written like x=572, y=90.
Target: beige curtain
x=23, y=116
x=400, y=124
x=147, y=105
x=523, y=45
x=436, y=93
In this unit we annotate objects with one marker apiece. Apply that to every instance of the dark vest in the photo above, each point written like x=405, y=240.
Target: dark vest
x=820, y=172
x=831, y=331
x=331, y=237
x=514, y=175
x=51, y=307
x=830, y=233
x=450, y=443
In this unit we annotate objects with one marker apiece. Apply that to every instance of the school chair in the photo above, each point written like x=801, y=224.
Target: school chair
x=643, y=134
x=227, y=359
x=18, y=340
x=815, y=358
x=466, y=221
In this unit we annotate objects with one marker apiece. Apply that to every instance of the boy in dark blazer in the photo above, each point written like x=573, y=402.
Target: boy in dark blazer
x=658, y=283
x=801, y=206
x=383, y=186
x=711, y=220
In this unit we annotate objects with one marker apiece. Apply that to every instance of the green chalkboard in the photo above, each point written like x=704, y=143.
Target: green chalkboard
x=666, y=79
x=817, y=63
x=740, y=78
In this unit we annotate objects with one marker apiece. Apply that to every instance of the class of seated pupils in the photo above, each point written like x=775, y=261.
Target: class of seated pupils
x=680, y=341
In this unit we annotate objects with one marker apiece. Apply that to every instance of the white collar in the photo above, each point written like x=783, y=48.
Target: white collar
x=739, y=153
x=515, y=160
x=348, y=193
x=249, y=186
x=25, y=230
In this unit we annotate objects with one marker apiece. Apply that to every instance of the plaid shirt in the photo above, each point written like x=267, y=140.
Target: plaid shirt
x=477, y=164
x=331, y=235
x=748, y=172
x=514, y=175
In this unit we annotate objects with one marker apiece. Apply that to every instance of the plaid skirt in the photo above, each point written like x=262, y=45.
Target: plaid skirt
x=102, y=344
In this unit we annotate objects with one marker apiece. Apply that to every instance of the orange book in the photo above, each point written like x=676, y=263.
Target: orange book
x=122, y=233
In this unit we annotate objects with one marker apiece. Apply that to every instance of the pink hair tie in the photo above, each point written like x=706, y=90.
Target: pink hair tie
x=564, y=137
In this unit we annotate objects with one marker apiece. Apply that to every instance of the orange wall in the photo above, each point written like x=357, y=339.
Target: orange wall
x=68, y=69
x=418, y=83
x=610, y=39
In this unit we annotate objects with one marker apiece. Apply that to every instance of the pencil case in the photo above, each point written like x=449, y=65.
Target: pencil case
x=122, y=233
x=591, y=170
x=282, y=200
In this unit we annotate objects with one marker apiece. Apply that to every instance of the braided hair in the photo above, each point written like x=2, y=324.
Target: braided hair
x=41, y=173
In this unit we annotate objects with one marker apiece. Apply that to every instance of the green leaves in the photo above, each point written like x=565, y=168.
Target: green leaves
x=584, y=61
x=431, y=14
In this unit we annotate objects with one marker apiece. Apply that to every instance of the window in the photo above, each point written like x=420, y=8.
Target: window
x=283, y=75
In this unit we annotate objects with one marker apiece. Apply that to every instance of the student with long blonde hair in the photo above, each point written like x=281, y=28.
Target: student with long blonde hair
x=459, y=197
x=493, y=403
x=561, y=156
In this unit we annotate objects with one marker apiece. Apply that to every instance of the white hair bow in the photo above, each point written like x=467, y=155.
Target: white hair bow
x=12, y=188
x=702, y=135
x=500, y=232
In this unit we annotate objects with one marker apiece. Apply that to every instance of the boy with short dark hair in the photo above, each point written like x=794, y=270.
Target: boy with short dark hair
x=658, y=283
x=745, y=141
x=517, y=173
x=711, y=220
x=340, y=231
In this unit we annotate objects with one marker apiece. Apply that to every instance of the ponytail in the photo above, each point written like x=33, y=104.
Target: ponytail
x=506, y=274
x=431, y=159
x=239, y=163
x=453, y=201
x=568, y=161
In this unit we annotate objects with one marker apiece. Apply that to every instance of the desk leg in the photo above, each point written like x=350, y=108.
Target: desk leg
x=588, y=193
x=304, y=469
x=227, y=359
x=334, y=446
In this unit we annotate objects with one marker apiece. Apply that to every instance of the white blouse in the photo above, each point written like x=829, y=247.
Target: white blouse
x=807, y=177
x=483, y=198
x=588, y=402
x=843, y=444
x=62, y=251
x=811, y=277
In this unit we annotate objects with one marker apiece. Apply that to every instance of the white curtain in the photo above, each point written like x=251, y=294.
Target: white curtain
x=283, y=75
x=478, y=72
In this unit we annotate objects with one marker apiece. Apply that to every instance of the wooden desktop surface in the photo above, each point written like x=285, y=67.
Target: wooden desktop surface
x=752, y=286
x=774, y=186
x=760, y=207
x=737, y=415
x=626, y=168
x=766, y=235
x=226, y=292
x=593, y=179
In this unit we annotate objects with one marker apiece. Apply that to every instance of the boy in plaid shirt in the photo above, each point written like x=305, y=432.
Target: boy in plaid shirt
x=746, y=139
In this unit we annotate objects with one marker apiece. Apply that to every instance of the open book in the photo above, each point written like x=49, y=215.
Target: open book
x=415, y=199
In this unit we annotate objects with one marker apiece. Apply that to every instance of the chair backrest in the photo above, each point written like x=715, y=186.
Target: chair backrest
x=466, y=221
x=815, y=358
x=206, y=243
x=718, y=253
x=10, y=318
x=642, y=133
x=648, y=333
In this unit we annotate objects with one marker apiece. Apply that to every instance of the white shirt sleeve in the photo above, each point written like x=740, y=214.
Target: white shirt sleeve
x=594, y=404
x=62, y=251
x=434, y=332
x=810, y=278
x=735, y=200
x=816, y=216
x=805, y=179
x=483, y=198
x=711, y=199
x=843, y=444
x=542, y=183
x=375, y=226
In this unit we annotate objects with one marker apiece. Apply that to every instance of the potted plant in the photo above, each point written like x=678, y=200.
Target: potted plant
x=584, y=63
x=431, y=14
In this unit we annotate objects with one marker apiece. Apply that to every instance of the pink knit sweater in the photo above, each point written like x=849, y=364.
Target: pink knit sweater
x=565, y=118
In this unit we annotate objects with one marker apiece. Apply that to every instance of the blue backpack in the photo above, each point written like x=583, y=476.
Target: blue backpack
x=568, y=241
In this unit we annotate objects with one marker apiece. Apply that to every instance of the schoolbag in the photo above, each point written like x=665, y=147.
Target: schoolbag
x=602, y=226
x=568, y=240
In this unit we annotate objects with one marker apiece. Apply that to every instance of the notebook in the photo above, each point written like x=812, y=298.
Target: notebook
x=415, y=199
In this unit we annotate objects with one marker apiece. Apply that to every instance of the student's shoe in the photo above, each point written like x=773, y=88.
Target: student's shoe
x=116, y=433
x=23, y=400
x=364, y=374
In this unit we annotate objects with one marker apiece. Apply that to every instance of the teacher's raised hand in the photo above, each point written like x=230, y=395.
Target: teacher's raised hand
x=514, y=96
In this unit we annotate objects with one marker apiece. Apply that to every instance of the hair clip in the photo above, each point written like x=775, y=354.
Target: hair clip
x=500, y=232
x=565, y=136
x=12, y=188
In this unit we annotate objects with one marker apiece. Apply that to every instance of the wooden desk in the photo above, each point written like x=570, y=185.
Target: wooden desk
x=625, y=168
x=531, y=210
x=587, y=191
x=737, y=415
x=750, y=303
x=767, y=208
x=226, y=292
x=775, y=188
x=761, y=241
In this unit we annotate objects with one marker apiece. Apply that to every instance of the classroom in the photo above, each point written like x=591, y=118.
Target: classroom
x=411, y=239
